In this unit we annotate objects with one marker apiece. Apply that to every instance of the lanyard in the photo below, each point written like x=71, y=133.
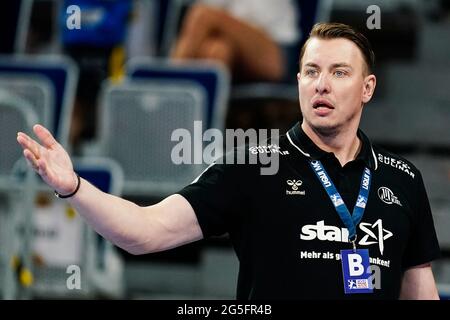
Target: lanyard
x=350, y=221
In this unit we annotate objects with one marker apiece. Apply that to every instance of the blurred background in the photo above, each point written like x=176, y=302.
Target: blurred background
x=102, y=76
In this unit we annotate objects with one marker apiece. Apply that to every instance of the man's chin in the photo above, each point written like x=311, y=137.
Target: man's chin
x=325, y=129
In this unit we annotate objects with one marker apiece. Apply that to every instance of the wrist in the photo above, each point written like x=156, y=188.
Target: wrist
x=75, y=190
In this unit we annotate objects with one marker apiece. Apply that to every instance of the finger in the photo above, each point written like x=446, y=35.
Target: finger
x=20, y=133
x=32, y=166
x=22, y=136
x=42, y=165
x=44, y=135
x=39, y=165
x=27, y=143
x=23, y=141
x=31, y=159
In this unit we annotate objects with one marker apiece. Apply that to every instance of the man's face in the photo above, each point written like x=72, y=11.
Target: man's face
x=333, y=85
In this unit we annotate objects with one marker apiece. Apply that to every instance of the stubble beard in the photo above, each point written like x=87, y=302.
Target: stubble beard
x=326, y=130
x=331, y=129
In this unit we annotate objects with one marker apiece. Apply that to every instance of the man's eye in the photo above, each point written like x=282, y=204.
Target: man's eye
x=339, y=73
x=311, y=72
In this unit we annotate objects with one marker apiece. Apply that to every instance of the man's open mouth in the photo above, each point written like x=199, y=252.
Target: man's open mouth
x=322, y=104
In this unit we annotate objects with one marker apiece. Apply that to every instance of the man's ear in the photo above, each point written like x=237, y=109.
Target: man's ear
x=370, y=83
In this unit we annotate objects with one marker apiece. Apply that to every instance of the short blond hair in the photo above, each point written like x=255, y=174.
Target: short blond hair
x=339, y=30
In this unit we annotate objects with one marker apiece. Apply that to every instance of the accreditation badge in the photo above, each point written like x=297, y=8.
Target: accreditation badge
x=355, y=270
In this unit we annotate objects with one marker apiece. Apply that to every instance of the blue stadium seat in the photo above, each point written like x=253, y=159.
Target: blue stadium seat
x=137, y=122
x=211, y=76
x=62, y=74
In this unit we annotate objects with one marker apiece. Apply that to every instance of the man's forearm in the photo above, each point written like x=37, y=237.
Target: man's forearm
x=118, y=220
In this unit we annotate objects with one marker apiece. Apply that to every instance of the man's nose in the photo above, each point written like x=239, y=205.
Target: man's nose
x=323, y=84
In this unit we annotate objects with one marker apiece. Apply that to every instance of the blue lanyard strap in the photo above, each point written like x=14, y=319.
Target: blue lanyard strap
x=350, y=221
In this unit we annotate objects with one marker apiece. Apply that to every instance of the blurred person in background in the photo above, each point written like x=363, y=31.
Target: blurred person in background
x=251, y=37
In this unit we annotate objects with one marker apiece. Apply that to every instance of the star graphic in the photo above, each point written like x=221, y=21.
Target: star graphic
x=377, y=235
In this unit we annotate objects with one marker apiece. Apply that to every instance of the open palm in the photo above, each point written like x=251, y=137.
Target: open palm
x=49, y=159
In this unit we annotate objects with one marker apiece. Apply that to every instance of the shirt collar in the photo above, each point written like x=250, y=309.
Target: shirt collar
x=300, y=141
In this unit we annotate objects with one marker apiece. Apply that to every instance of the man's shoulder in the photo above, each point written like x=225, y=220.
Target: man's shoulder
x=395, y=163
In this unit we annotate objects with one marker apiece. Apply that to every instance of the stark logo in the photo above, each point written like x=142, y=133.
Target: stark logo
x=374, y=233
x=377, y=234
x=387, y=196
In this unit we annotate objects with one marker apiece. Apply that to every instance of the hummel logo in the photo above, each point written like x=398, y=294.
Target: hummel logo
x=294, y=184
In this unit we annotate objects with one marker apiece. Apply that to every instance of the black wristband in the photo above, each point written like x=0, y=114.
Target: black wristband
x=61, y=196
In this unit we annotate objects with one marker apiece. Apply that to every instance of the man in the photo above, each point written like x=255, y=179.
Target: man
x=292, y=231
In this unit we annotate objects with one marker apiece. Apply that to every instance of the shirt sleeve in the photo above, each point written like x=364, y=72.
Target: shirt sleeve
x=423, y=245
x=217, y=197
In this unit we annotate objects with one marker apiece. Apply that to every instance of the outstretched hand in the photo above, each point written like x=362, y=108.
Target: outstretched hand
x=49, y=159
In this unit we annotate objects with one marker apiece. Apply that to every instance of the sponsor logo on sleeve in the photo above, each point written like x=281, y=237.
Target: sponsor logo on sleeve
x=397, y=164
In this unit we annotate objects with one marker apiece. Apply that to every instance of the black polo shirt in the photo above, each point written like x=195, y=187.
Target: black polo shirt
x=286, y=232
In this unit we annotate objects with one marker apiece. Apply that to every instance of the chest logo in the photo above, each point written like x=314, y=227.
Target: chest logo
x=373, y=233
x=293, y=186
x=387, y=196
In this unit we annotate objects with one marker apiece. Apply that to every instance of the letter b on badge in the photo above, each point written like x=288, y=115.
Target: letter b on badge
x=355, y=265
